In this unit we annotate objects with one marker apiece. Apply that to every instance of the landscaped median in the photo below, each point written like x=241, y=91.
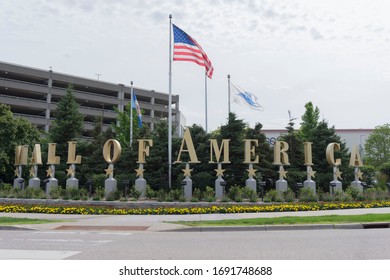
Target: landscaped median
x=164, y=208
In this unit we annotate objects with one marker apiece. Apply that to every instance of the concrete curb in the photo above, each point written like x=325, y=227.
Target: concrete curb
x=285, y=227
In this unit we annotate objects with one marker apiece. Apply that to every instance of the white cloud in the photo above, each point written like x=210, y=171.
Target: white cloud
x=286, y=52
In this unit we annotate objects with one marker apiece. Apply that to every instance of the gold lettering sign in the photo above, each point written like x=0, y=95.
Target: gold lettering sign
x=143, y=149
x=51, y=155
x=250, y=151
x=280, y=155
x=72, y=158
x=355, y=159
x=218, y=151
x=36, y=157
x=332, y=147
x=21, y=154
x=116, y=148
x=187, y=139
x=307, y=148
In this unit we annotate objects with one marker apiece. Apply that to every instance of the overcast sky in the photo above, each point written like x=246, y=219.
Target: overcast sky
x=335, y=53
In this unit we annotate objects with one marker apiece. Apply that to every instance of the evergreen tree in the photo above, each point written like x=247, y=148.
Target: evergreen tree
x=264, y=167
x=13, y=132
x=234, y=130
x=156, y=165
x=67, y=126
x=324, y=135
x=68, y=123
x=296, y=170
x=93, y=161
x=309, y=122
x=203, y=172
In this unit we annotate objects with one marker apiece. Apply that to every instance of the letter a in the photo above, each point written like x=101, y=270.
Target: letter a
x=190, y=147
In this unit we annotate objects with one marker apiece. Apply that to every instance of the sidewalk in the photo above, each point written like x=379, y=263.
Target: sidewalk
x=155, y=223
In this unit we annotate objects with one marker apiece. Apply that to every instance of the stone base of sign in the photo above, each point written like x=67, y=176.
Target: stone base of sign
x=338, y=186
x=52, y=183
x=187, y=188
x=72, y=183
x=251, y=184
x=34, y=183
x=281, y=185
x=109, y=186
x=18, y=184
x=358, y=185
x=219, y=189
x=140, y=185
x=310, y=184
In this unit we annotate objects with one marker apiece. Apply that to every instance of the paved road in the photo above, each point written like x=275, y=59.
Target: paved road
x=149, y=237
x=354, y=244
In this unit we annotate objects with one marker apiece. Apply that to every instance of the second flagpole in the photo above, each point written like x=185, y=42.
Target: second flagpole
x=170, y=106
x=131, y=114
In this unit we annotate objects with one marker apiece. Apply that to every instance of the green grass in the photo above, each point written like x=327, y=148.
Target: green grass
x=329, y=219
x=20, y=221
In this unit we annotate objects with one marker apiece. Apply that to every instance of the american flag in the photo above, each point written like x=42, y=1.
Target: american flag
x=185, y=48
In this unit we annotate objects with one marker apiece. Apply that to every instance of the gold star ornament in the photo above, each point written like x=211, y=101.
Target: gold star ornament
x=16, y=172
x=32, y=172
x=311, y=172
x=359, y=174
x=49, y=172
x=338, y=174
x=187, y=171
x=70, y=171
x=219, y=171
x=251, y=171
x=140, y=171
x=282, y=172
x=109, y=171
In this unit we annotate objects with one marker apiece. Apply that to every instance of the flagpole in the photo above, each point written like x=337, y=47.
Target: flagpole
x=228, y=76
x=131, y=114
x=205, y=98
x=170, y=106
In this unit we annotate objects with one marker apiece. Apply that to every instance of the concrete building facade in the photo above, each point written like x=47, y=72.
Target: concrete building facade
x=33, y=94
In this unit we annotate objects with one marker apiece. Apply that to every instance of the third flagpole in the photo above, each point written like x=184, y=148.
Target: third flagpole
x=170, y=106
x=131, y=114
x=205, y=99
x=228, y=76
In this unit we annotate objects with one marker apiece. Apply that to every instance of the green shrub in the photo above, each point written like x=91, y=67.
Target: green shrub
x=149, y=192
x=175, y=194
x=115, y=195
x=209, y=194
x=273, y=196
x=289, y=195
x=307, y=195
x=55, y=193
x=235, y=193
x=354, y=192
x=197, y=195
x=161, y=195
x=326, y=197
x=135, y=194
x=340, y=196
x=250, y=194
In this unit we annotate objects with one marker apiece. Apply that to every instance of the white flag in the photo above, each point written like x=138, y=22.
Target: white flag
x=243, y=97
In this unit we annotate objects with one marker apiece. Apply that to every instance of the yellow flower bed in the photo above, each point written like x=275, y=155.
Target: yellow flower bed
x=100, y=210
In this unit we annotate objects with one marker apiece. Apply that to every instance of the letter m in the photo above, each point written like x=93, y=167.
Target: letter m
x=21, y=153
x=218, y=151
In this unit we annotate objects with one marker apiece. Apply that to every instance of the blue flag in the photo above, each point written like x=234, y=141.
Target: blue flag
x=135, y=105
